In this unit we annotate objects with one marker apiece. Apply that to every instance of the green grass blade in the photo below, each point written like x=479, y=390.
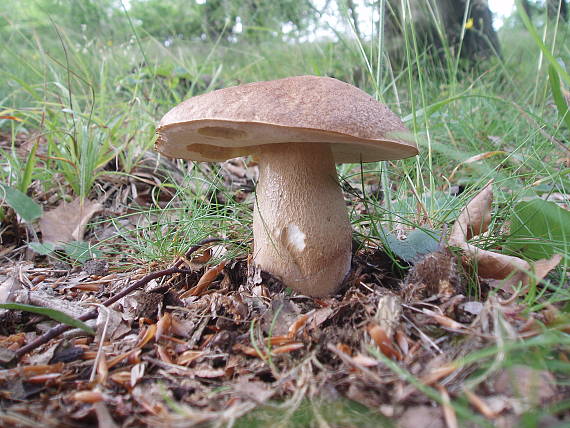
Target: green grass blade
x=26, y=179
x=538, y=40
x=559, y=99
x=51, y=313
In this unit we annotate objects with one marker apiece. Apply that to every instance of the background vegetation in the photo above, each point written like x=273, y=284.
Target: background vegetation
x=83, y=84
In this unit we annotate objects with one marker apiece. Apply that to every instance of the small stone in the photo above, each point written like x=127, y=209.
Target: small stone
x=96, y=267
x=473, y=308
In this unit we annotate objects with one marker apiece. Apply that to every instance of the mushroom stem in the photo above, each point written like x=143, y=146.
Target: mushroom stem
x=301, y=230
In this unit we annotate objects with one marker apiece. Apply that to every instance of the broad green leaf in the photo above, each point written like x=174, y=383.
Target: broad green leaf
x=51, y=313
x=418, y=243
x=81, y=251
x=42, y=249
x=25, y=206
x=539, y=229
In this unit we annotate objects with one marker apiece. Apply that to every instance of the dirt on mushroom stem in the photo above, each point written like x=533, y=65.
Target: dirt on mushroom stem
x=301, y=229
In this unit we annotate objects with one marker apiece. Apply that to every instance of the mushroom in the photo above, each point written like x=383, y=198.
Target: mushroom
x=298, y=128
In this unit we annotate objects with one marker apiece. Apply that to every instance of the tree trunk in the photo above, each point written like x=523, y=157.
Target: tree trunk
x=478, y=40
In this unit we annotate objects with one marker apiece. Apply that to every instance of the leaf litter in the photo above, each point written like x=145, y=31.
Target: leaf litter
x=207, y=342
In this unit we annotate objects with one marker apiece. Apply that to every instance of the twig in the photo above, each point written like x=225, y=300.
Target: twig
x=61, y=328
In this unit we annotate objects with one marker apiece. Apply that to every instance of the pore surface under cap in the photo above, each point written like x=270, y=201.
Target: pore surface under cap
x=236, y=121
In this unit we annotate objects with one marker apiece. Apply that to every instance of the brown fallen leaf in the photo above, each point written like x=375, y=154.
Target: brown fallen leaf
x=102, y=370
x=474, y=220
x=537, y=272
x=207, y=278
x=248, y=350
x=163, y=325
x=480, y=404
x=187, y=357
x=67, y=222
x=89, y=397
x=438, y=373
x=297, y=325
x=385, y=344
x=445, y=322
x=209, y=373
x=44, y=378
x=287, y=348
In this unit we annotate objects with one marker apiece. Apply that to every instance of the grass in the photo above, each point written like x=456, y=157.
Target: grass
x=89, y=107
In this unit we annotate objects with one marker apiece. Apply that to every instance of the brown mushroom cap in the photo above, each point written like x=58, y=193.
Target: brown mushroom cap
x=232, y=122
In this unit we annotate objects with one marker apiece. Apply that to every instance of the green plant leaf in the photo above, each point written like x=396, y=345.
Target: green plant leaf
x=81, y=251
x=25, y=206
x=51, y=313
x=26, y=179
x=42, y=249
x=539, y=229
x=539, y=42
x=559, y=99
x=418, y=243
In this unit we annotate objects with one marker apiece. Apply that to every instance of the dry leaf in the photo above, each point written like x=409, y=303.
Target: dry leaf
x=67, y=222
x=474, y=220
x=438, y=373
x=297, y=325
x=164, y=354
x=403, y=341
x=388, y=313
x=88, y=397
x=187, y=357
x=148, y=336
x=448, y=411
x=381, y=339
x=109, y=322
x=137, y=373
x=45, y=378
x=365, y=361
x=210, y=373
x=287, y=348
x=207, y=278
x=102, y=370
x=163, y=325
x=445, y=322
x=480, y=405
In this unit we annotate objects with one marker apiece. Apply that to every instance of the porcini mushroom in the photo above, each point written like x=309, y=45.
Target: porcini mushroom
x=298, y=128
